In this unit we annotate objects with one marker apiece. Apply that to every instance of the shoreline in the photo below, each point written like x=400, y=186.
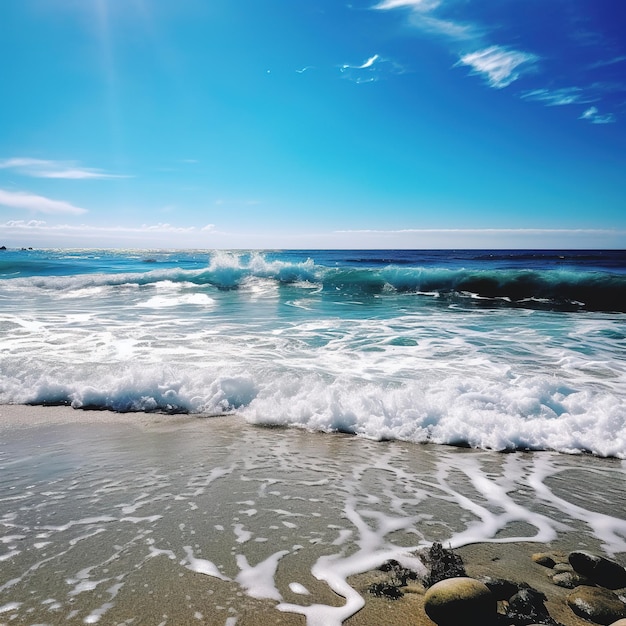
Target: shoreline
x=264, y=507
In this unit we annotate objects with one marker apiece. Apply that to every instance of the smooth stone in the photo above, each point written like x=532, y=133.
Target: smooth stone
x=619, y=622
x=596, y=604
x=598, y=569
x=460, y=600
x=563, y=567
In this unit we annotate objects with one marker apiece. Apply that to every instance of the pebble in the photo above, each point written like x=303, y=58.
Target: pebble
x=596, y=604
x=460, y=600
x=544, y=558
x=569, y=580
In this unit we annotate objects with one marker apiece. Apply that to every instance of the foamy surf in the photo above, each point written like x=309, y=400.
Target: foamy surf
x=408, y=346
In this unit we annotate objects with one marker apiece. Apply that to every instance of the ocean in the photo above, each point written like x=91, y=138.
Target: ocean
x=500, y=350
x=243, y=438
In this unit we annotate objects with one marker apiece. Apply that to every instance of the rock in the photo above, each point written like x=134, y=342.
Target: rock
x=384, y=590
x=443, y=564
x=460, y=600
x=544, y=558
x=569, y=580
x=619, y=622
x=598, y=569
x=527, y=606
x=596, y=604
x=500, y=588
x=563, y=567
x=398, y=575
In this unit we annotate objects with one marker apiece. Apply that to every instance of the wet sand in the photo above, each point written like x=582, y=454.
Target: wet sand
x=152, y=519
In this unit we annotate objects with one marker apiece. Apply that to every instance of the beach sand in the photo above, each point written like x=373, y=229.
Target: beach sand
x=153, y=519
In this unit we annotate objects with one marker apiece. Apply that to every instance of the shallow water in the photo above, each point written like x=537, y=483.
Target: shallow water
x=184, y=520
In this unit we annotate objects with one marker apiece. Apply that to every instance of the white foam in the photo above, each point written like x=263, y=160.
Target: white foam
x=202, y=566
x=258, y=580
x=241, y=534
x=10, y=606
x=299, y=589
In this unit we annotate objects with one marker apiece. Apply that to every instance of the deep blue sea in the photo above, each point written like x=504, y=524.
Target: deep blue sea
x=497, y=349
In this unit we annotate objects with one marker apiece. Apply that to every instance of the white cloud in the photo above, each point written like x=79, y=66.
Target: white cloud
x=416, y=5
x=428, y=23
x=595, y=117
x=371, y=69
x=166, y=228
x=363, y=66
x=41, y=168
x=557, y=97
x=92, y=230
x=40, y=204
x=613, y=61
x=499, y=65
x=453, y=30
x=23, y=224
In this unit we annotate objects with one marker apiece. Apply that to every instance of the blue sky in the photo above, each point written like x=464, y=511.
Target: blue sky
x=320, y=123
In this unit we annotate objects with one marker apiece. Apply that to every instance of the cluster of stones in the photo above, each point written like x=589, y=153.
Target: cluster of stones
x=454, y=599
x=468, y=601
x=595, y=582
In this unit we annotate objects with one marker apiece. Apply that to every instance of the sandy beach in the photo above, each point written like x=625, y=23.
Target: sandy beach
x=155, y=519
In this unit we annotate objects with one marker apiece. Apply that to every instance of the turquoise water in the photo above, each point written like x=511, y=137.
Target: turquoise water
x=490, y=349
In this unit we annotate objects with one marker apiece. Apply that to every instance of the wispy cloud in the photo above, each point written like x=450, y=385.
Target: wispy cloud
x=499, y=65
x=372, y=69
x=558, y=97
x=416, y=5
x=41, y=168
x=369, y=63
x=448, y=28
x=428, y=23
x=41, y=225
x=607, y=63
x=593, y=115
x=40, y=204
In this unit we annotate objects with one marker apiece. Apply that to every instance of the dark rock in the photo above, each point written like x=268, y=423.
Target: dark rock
x=384, y=590
x=501, y=588
x=443, y=564
x=596, y=604
x=527, y=607
x=399, y=575
x=598, y=569
x=544, y=558
x=460, y=600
